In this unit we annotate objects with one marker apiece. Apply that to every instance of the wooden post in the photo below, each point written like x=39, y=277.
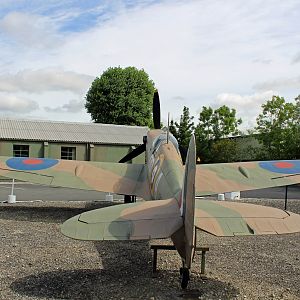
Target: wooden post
x=154, y=262
x=155, y=248
x=203, y=262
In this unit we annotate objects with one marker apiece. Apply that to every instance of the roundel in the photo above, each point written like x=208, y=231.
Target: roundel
x=281, y=166
x=30, y=164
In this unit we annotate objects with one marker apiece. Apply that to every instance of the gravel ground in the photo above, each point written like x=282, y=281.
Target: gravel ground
x=37, y=262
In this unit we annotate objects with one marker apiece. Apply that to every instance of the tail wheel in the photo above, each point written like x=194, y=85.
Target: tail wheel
x=185, y=277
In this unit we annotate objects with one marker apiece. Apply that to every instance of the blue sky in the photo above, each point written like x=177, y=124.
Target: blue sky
x=198, y=53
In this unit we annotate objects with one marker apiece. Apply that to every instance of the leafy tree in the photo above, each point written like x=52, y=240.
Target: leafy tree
x=213, y=126
x=224, y=150
x=173, y=129
x=183, y=131
x=279, y=128
x=121, y=96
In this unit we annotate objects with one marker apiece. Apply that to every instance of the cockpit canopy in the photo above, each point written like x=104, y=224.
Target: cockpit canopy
x=162, y=139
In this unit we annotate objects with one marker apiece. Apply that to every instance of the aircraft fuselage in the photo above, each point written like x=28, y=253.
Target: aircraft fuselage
x=165, y=168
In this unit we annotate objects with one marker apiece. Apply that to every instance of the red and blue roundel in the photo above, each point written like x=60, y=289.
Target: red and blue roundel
x=30, y=164
x=281, y=166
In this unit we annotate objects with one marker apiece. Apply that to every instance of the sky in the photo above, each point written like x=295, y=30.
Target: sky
x=198, y=53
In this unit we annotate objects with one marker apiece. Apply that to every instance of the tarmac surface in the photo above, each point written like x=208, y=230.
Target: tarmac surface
x=34, y=192
x=27, y=191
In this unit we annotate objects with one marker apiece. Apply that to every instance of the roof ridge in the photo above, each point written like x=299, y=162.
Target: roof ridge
x=72, y=122
x=77, y=132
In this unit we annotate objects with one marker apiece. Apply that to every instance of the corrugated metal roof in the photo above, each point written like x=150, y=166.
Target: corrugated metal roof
x=94, y=133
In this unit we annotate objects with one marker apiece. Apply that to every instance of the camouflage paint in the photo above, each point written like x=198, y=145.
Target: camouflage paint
x=188, y=202
x=161, y=179
x=232, y=218
x=241, y=176
x=142, y=220
x=111, y=177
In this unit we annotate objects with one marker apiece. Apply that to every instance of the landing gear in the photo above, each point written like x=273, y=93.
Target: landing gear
x=185, y=277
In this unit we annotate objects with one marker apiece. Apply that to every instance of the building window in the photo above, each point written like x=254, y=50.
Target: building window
x=68, y=153
x=21, y=150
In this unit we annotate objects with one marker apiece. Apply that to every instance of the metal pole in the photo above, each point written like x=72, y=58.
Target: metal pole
x=286, y=197
x=12, y=186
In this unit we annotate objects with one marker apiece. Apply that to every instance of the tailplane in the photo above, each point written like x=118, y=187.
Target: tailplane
x=134, y=221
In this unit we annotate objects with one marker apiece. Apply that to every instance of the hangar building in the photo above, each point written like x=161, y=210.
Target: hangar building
x=69, y=140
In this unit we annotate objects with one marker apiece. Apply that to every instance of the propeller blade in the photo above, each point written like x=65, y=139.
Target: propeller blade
x=156, y=110
x=134, y=153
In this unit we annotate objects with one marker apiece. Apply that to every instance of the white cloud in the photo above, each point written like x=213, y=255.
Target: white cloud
x=48, y=79
x=73, y=106
x=192, y=49
x=30, y=30
x=281, y=83
x=296, y=59
x=262, y=61
x=10, y=103
x=195, y=49
x=248, y=107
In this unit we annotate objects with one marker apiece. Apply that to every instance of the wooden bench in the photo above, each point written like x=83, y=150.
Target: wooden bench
x=172, y=247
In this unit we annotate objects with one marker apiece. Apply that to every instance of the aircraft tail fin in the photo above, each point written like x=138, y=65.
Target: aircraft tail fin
x=188, y=201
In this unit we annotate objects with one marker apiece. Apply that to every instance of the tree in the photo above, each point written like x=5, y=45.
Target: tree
x=121, y=96
x=173, y=129
x=279, y=128
x=183, y=131
x=214, y=125
x=224, y=151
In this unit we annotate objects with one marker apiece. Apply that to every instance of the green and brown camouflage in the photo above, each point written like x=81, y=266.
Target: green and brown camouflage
x=164, y=178
x=171, y=188
x=242, y=176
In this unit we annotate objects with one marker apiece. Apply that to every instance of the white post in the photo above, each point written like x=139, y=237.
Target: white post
x=232, y=195
x=221, y=197
x=109, y=197
x=12, y=197
x=12, y=187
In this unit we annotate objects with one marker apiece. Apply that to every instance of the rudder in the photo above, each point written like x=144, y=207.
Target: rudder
x=188, y=202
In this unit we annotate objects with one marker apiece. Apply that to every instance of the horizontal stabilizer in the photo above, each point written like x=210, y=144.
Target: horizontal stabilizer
x=231, y=218
x=142, y=220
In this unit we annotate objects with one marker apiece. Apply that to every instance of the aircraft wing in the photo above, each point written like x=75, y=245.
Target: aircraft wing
x=242, y=176
x=140, y=220
x=121, y=178
x=223, y=218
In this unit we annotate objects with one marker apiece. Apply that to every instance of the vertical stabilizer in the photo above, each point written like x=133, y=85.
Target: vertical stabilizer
x=188, y=201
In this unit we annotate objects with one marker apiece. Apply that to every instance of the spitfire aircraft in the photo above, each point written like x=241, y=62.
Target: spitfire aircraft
x=172, y=210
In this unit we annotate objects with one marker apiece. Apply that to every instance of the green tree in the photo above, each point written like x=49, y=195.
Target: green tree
x=183, y=131
x=214, y=125
x=173, y=129
x=121, y=96
x=224, y=150
x=279, y=128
